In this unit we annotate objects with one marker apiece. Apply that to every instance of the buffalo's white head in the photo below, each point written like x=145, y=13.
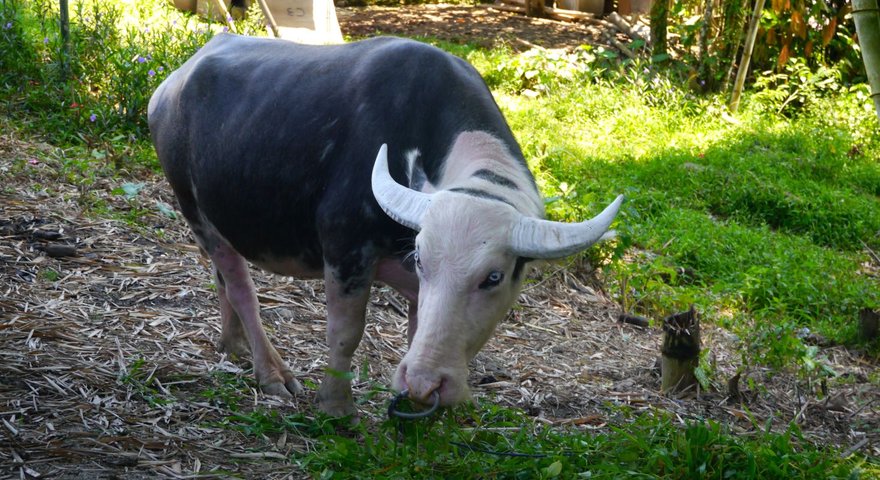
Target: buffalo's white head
x=469, y=255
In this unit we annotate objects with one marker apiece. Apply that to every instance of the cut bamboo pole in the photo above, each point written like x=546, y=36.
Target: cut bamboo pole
x=680, y=351
x=869, y=324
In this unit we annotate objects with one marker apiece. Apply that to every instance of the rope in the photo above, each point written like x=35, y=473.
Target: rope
x=511, y=454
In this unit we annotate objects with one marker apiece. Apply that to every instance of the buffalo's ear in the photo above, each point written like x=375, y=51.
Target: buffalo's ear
x=519, y=268
x=404, y=205
x=417, y=176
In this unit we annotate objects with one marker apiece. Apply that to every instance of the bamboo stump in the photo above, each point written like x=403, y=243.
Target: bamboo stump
x=869, y=324
x=680, y=352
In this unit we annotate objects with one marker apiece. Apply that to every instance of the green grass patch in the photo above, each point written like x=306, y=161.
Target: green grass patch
x=766, y=218
x=505, y=443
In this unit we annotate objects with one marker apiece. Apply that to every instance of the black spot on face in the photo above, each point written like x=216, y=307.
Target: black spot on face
x=493, y=177
x=481, y=194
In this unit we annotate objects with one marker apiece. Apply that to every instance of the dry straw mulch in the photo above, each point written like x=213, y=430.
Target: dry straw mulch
x=79, y=334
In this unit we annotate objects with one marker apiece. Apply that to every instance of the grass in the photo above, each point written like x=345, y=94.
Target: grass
x=762, y=221
x=771, y=217
x=504, y=443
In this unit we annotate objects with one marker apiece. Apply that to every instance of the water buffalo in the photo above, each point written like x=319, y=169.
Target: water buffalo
x=381, y=160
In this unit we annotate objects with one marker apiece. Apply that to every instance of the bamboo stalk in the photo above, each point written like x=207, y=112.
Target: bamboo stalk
x=746, y=56
x=221, y=7
x=269, y=18
x=867, y=19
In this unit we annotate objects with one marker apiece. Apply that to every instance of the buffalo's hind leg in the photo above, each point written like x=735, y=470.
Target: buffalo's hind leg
x=233, y=341
x=240, y=312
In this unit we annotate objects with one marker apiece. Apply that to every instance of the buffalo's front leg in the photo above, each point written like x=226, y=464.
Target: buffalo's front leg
x=346, y=309
x=240, y=312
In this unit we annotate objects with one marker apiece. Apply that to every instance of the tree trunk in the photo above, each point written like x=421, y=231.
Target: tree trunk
x=535, y=8
x=867, y=19
x=64, y=23
x=659, y=20
x=704, y=72
x=746, y=56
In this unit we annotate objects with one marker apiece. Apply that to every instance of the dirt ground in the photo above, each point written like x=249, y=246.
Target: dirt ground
x=80, y=335
x=482, y=25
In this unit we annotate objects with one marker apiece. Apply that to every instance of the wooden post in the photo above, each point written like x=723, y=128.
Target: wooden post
x=746, y=56
x=869, y=324
x=680, y=351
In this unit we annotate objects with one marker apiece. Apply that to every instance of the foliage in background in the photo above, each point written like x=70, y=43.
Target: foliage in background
x=96, y=91
x=816, y=33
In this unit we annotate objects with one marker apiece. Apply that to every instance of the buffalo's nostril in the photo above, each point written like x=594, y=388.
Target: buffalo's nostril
x=421, y=387
x=424, y=396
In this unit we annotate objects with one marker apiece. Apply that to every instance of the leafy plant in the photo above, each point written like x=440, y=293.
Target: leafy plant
x=537, y=71
x=797, y=86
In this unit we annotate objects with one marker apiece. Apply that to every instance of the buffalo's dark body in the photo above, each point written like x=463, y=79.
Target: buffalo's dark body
x=273, y=142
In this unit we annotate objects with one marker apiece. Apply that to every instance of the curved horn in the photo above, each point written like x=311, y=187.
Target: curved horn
x=404, y=205
x=537, y=238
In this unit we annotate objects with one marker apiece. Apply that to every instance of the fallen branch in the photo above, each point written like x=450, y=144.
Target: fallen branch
x=619, y=45
x=518, y=6
x=636, y=320
x=626, y=27
x=508, y=8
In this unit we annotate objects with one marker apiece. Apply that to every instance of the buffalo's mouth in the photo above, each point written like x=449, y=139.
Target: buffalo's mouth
x=424, y=384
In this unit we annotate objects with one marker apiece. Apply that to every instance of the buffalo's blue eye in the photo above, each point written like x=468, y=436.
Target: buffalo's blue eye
x=492, y=280
x=417, y=259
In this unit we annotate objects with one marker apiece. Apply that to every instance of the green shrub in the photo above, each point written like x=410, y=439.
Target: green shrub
x=95, y=90
x=796, y=88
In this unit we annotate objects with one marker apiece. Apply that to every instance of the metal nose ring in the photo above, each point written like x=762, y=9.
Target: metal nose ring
x=394, y=412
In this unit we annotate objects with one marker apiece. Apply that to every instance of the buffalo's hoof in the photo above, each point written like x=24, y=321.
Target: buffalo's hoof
x=338, y=408
x=284, y=390
x=236, y=347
